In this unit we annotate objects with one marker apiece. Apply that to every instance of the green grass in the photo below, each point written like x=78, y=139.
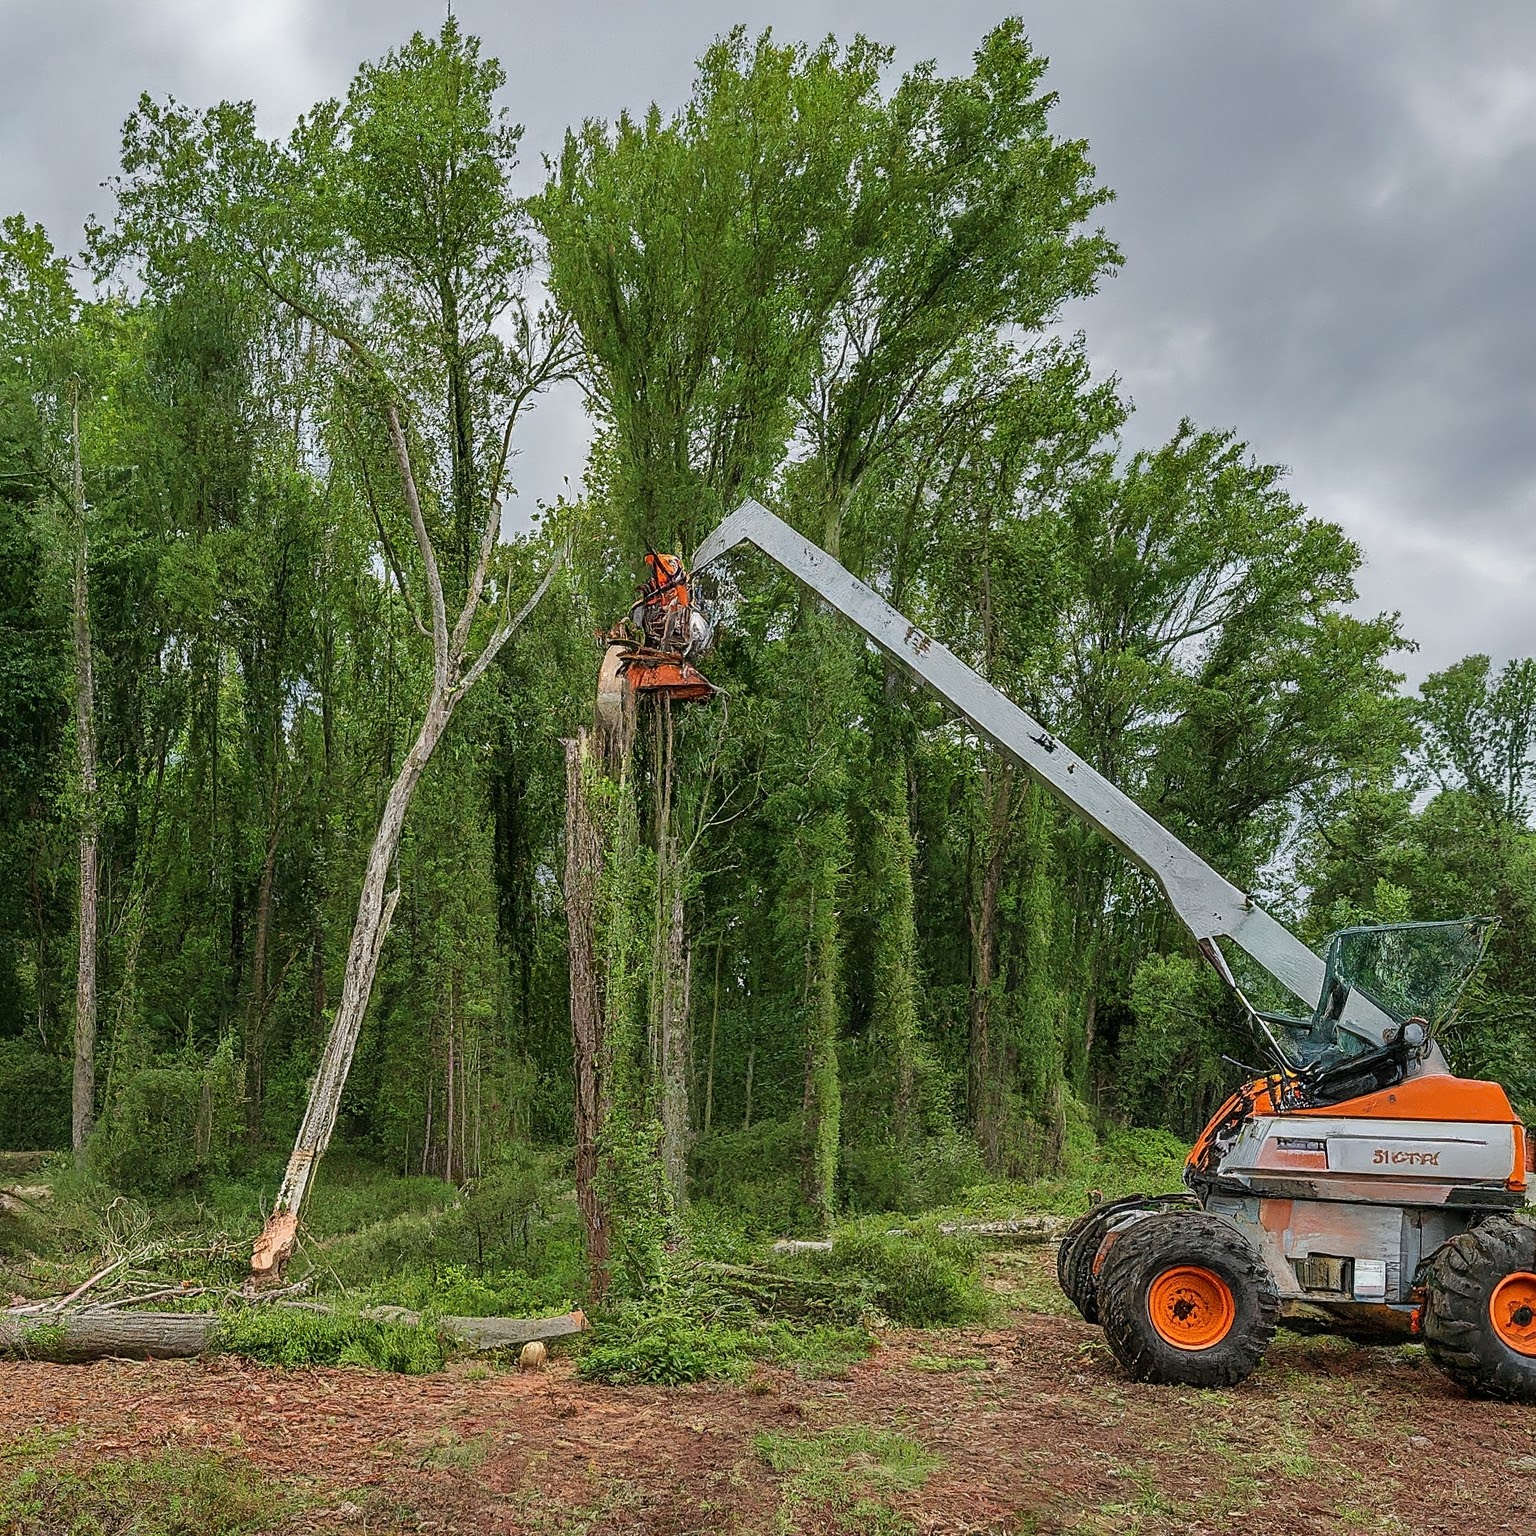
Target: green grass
x=169, y=1494
x=846, y=1474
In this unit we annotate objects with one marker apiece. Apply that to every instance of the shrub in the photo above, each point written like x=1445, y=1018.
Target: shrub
x=919, y=1277
x=640, y=1344
x=287, y=1337
x=756, y=1172
x=34, y=1098
x=934, y=1171
x=170, y=1124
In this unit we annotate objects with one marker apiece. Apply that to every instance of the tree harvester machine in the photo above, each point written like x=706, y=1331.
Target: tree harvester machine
x=1355, y=1184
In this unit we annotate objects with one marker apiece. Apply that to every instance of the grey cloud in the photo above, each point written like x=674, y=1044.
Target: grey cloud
x=1325, y=206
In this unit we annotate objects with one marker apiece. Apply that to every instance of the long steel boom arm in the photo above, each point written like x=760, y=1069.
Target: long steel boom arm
x=1209, y=904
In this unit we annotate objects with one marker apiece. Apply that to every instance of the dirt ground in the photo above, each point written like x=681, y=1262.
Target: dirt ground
x=1027, y=1427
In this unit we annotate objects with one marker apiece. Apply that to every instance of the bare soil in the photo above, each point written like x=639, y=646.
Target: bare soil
x=1036, y=1429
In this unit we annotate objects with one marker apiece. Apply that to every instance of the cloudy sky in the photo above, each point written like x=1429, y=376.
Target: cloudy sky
x=1328, y=210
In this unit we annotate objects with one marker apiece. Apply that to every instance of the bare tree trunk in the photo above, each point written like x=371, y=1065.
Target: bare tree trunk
x=670, y=989
x=453, y=675
x=583, y=873
x=83, y=1099
x=714, y=1028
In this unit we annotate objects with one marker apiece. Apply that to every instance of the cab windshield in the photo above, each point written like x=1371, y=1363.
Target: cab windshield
x=1409, y=970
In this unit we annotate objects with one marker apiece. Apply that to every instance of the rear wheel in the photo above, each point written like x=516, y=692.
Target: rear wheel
x=1480, y=1309
x=1081, y=1241
x=1184, y=1297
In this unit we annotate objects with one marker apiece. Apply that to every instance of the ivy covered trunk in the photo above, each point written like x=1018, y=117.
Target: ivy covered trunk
x=583, y=878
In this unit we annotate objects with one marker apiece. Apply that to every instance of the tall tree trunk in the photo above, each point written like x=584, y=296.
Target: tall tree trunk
x=822, y=1102
x=714, y=1030
x=672, y=964
x=83, y=1098
x=583, y=875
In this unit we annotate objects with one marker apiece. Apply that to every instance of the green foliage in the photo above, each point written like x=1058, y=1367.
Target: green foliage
x=917, y=1275
x=168, y=1125
x=755, y=1172
x=283, y=1336
x=698, y=1335
x=170, y=1493
x=912, y=1176
x=644, y=1343
x=1171, y=1071
x=34, y=1097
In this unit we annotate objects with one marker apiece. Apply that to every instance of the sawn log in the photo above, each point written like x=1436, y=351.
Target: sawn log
x=97, y=1333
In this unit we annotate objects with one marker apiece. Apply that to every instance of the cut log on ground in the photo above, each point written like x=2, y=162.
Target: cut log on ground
x=1023, y=1229
x=24, y=1162
x=99, y=1333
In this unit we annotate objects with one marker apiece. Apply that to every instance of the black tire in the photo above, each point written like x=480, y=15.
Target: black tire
x=1461, y=1335
x=1152, y=1249
x=1079, y=1248
x=1064, y=1271
x=1081, y=1241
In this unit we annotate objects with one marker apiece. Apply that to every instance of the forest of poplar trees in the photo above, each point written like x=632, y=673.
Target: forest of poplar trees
x=853, y=958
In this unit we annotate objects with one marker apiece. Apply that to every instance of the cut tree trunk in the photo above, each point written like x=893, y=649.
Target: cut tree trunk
x=583, y=874
x=98, y=1333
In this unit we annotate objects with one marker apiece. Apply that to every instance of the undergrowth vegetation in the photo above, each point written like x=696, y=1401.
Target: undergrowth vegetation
x=509, y=1244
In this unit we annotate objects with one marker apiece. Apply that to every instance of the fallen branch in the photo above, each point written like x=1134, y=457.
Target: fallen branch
x=85, y=1285
x=97, y=1333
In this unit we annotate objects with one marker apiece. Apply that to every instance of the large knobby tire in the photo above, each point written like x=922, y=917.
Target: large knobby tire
x=1184, y=1298
x=1479, y=1316
x=1065, y=1268
x=1080, y=1246
x=1081, y=1241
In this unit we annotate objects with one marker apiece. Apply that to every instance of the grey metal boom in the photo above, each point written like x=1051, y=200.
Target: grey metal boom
x=1209, y=904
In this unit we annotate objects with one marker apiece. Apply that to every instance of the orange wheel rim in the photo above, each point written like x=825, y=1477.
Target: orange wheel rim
x=1512, y=1308
x=1193, y=1308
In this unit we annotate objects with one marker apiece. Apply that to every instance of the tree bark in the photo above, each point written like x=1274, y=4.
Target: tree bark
x=375, y=908
x=453, y=675
x=583, y=874
x=670, y=988
x=83, y=1096
x=258, y=999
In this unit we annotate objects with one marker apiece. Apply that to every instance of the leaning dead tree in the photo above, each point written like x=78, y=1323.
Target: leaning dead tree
x=454, y=672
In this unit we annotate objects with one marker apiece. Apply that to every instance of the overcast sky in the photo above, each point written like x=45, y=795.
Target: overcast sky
x=1327, y=208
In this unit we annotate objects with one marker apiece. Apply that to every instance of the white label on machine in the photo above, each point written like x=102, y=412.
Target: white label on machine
x=1370, y=1279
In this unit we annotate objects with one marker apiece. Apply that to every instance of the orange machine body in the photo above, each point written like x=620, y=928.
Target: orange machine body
x=1345, y=1201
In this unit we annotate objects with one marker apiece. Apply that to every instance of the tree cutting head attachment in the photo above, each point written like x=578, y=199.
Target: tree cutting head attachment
x=649, y=656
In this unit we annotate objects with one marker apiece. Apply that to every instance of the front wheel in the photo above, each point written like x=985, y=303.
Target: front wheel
x=1480, y=1309
x=1184, y=1298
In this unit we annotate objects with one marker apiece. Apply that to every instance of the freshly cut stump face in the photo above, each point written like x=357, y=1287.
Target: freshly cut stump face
x=1191, y=1307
